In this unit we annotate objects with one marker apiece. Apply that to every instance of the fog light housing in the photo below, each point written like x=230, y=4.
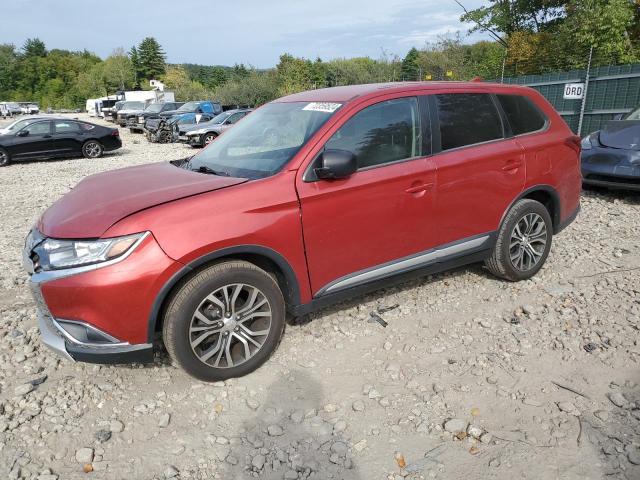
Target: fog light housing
x=81, y=333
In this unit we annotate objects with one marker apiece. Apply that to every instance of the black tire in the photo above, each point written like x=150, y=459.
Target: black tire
x=92, y=149
x=133, y=130
x=189, y=299
x=501, y=262
x=207, y=138
x=5, y=159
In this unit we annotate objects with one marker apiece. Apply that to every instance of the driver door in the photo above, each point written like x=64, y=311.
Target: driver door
x=34, y=140
x=359, y=228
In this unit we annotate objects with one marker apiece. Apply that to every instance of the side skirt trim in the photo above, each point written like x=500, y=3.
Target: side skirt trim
x=409, y=263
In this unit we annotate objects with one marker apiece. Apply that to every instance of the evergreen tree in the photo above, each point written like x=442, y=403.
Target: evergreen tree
x=410, y=66
x=135, y=63
x=151, y=58
x=34, y=47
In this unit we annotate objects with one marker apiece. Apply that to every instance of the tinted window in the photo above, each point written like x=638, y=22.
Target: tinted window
x=467, y=118
x=40, y=128
x=522, y=114
x=382, y=133
x=235, y=117
x=63, y=126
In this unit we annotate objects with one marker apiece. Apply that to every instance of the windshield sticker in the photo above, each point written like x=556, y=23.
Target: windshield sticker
x=322, y=107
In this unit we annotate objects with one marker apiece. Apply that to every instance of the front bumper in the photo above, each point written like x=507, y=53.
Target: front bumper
x=611, y=168
x=193, y=140
x=100, y=314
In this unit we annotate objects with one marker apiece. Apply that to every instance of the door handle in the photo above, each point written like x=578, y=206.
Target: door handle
x=512, y=164
x=423, y=187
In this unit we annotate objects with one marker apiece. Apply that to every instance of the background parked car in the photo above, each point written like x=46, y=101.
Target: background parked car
x=128, y=109
x=57, y=137
x=198, y=106
x=611, y=157
x=165, y=130
x=14, y=108
x=204, y=133
x=153, y=110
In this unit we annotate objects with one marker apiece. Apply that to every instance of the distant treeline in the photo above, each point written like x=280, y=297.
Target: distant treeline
x=528, y=37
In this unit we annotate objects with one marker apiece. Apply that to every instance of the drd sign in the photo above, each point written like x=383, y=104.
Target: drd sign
x=573, y=91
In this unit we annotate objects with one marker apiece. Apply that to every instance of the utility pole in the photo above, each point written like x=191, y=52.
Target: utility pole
x=586, y=89
x=504, y=61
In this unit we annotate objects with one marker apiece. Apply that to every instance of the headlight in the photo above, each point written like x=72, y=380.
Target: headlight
x=196, y=132
x=54, y=254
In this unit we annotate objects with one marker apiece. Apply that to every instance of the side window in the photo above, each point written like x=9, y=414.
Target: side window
x=63, y=126
x=467, y=118
x=40, y=128
x=522, y=114
x=234, y=118
x=382, y=133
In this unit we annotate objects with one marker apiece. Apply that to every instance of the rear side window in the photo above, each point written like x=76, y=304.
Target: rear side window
x=382, y=133
x=522, y=114
x=63, y=126
x=467, y=118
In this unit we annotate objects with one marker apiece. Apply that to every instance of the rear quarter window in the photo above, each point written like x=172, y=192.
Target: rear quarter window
x=467, y=119
x=522, y=114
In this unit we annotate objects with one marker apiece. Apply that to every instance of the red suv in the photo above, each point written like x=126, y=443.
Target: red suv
x=311, y=199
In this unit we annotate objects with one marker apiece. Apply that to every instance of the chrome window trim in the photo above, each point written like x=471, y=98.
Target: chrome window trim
x=411, y=262
x=48, y=275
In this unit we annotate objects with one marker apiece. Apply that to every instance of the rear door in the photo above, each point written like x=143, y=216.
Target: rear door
x=67, y=137
x=481, y=168
x=34, y=140
x=357, y=229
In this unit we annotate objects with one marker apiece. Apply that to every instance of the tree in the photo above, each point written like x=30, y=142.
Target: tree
x=34, y=47
x=135, y=63
x=151, y=58
x=411, y=66
x=8, y=66
x=119, y=73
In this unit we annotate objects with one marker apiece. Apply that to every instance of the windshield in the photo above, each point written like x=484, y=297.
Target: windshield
x=132, y=106
x=634, y=115
x=119, y=105
x=189, y=107
x=21, y=123
x=154, y=108
x=264, y=141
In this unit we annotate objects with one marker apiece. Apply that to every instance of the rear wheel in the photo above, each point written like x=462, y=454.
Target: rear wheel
x=225, y=321
x=4, y=158
x=523, y=243
x=92, y=149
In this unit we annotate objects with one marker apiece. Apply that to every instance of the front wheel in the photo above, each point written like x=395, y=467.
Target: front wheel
x=4, y=158
x=225, y=321
x=92, y=149
x=524, y=242
x=208, y=138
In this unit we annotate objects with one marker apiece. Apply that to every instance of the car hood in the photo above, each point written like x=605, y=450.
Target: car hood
x=621, y=134
x=129, y=111
x=101, y=200
x=169, y=113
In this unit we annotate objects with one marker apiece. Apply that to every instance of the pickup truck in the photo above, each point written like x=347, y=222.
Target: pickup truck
x=153, y=110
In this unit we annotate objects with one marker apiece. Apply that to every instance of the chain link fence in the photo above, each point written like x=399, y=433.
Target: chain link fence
x=610, y=91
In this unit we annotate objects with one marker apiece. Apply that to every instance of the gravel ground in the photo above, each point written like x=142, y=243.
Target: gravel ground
x=472, y=377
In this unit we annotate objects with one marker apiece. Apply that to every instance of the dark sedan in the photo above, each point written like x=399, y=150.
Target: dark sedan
x=611, y=156
x=57, y=137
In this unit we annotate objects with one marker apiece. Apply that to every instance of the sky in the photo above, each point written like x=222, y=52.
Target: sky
x=253, y=32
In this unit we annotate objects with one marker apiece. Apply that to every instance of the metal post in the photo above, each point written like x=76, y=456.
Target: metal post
x=504, y=60
x=586, y=89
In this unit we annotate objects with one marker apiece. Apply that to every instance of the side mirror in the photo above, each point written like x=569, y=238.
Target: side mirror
x=336, y=164
x=23, y=133
x=618, y=116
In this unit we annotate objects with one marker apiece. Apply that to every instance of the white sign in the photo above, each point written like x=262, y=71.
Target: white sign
x=326, y=107
x=573, y=91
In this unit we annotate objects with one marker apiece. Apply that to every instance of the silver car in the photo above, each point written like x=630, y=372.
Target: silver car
x=202, y=134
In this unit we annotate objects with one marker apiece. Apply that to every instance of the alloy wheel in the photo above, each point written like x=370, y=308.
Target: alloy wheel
x=208, y=139
x=230, y=325
x=4, y=158
x=528, y=242
x=92, y=149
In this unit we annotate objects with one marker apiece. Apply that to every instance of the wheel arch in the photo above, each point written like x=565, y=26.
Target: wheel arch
x=263, y=257
x=547, y=196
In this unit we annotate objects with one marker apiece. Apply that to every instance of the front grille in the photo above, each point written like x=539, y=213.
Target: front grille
x=614, y=179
